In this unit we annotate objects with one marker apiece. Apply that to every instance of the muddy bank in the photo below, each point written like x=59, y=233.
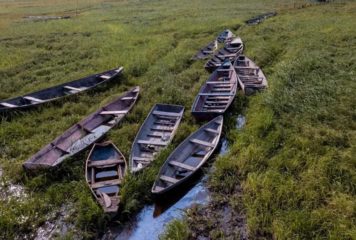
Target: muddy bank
x=58, y=225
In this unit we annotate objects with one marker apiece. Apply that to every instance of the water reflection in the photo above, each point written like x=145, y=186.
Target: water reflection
x=151, y=221
x=240, y=121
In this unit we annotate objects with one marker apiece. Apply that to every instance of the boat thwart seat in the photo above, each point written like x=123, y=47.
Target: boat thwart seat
x=182, y=165
x=152, y=143
x=105, y=162
x=105, y=183
x=113, y=112
x=8, y=105
x=168, y=179
x=33, y=99
x=201, y=142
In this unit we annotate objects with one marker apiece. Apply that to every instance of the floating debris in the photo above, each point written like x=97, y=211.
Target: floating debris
x=260, y=18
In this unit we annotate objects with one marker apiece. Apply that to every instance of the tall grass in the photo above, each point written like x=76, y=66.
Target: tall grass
x=293, y=147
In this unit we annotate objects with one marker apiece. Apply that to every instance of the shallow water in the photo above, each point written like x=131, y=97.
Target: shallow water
x=152, y=219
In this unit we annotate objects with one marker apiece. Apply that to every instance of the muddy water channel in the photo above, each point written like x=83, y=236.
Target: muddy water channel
x=150, y=223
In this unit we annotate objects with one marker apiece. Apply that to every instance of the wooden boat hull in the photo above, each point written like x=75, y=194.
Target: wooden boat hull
x=206, y=52
x=230, y=52
x=57, y=92
x=250, y=77
x=105, y=170
x=217, y=94
x=83, y=134
x=155, y=134
x=225, y=36
x=188, y=157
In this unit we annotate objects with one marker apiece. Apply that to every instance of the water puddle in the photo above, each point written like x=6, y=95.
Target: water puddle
x=152, y=219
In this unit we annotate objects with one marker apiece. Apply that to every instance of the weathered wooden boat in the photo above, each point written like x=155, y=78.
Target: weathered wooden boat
x=188, y=157
x=230, y=51
x=155, y=134
x=57, y=92
x=104, y=171
x=260, y=18
x=225, y=36
x=206, y=51
x=83, y=134
x=217, y=94
x=249, y=75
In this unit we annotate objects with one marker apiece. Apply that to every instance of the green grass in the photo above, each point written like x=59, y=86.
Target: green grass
x=293, y=159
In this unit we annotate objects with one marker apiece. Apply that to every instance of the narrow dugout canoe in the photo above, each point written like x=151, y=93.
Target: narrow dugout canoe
x=188, y=157
x=83, y=134
x=155, y=134
x=231, y=51
x=217, y=94
x=207, y=51
x=249, y=75
x=104, y=172
x=57, y=92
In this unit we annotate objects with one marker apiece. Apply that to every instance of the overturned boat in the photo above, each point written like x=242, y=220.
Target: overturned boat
x=104, y=172
x=155, y=134
x=207, y=51
x=217, y=94
x=57, y=92
x=249, y=75
x=83, y=134
x=230, y=51
x=188, y=157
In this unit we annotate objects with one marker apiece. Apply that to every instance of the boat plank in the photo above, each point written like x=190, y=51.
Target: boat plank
x=33, y=99
x=105, y=162
x=8, y=105
x=105, y=183
x=182, y=165
x=152, y=143
x=168, y=179
x=170, y=114
x=113, y=112
x=201, y=142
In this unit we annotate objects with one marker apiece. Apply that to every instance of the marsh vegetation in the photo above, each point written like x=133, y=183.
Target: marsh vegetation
x=290, y=171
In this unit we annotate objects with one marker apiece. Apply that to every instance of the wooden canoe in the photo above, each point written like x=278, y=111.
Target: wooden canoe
x=207, y=51
x=57, y=92
x=230, y=51
x=249, y=75
x=189, y=156
x=217, y=94
x=104, y=172
x=83, y=134
x=155, y=134
x=226, y=35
